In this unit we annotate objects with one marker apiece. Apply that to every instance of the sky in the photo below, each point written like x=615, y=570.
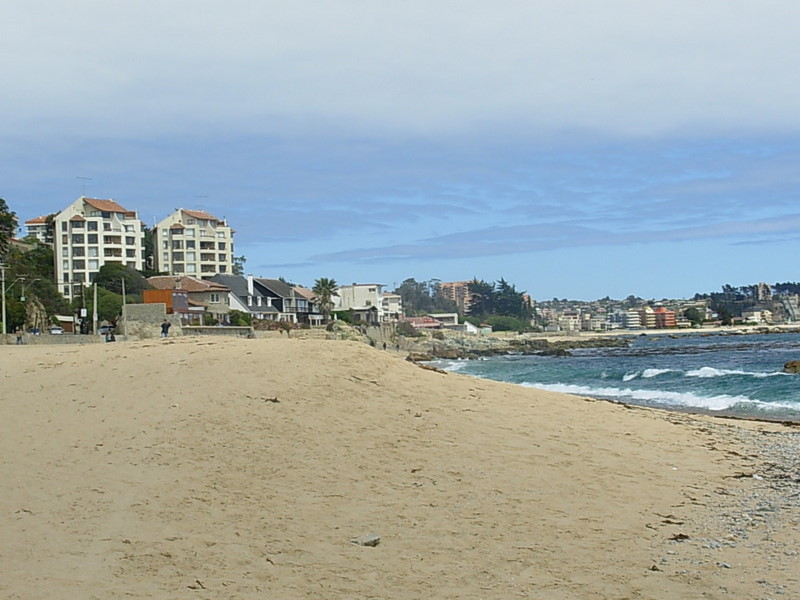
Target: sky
x=577, y=149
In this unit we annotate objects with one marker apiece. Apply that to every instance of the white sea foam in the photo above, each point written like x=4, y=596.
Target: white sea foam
x=708, y=372
x=647, y=373
x=452, y=365
x=688, y=399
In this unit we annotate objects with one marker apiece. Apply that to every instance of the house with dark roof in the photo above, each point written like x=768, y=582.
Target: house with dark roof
x=295, y=304
x=245, y=296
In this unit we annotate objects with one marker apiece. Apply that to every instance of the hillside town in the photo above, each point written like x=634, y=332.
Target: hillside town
x=188, y=264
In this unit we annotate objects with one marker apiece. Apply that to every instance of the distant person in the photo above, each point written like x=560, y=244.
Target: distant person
x=165, y=328
x=19, y=337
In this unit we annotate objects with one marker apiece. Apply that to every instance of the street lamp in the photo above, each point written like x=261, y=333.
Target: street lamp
x=22, y=297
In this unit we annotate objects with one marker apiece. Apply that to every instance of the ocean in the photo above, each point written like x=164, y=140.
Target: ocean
x=736, y=375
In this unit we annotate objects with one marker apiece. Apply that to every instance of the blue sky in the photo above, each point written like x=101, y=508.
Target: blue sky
x=575, y=148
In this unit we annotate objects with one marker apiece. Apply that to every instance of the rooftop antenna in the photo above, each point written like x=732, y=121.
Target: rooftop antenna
x=85, y=179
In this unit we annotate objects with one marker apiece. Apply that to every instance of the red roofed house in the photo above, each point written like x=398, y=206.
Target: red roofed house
x=194, y=243
x=205, y=298
x=90, y=233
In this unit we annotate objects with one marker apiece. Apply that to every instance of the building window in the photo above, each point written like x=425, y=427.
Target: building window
x=91, y=226
x=130, y=241
x=91, y=238
x=130, y=253
x=78, y=264
x=190, y=221
x=77, y=224
x=78, y=251
x=65, y=251
x=164, y=233
x=77, y=238
x=63, y=226
x=190, y=233
x=221, y=258
x=213, y=297
x=66, y=290
x=65, y=265
x=221, y=245
x=191, y=268
x=94, y=264
x=106, y=226
x=165, y=245
x=189, y=244
x=191, y=256
x=93, y=251
x=220, y=234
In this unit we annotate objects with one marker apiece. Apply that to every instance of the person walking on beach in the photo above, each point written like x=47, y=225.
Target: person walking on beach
x=165, y=328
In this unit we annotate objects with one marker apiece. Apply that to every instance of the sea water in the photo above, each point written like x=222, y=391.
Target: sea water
x=739, y=375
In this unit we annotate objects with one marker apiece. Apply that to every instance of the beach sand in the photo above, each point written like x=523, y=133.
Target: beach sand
x=226, y=468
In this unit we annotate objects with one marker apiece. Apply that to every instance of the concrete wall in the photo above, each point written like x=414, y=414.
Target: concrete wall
x=219, y=331
x=143, y=321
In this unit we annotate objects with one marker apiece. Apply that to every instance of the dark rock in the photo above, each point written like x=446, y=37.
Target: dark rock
x=793, y=366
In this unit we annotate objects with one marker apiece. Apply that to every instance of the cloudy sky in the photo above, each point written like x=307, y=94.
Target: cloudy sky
x=575, y=148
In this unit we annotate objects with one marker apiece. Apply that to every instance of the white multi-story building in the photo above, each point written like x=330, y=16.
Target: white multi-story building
x=37, y=228
x=370, y=296
x=90, y=233
x=193, y=242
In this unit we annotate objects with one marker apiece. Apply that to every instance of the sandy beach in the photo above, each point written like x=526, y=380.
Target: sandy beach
x=231, y=468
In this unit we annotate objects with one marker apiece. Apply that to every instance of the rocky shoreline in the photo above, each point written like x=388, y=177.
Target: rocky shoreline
x=455, y=346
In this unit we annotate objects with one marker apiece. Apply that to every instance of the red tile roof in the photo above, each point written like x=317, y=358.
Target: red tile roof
x=200, y=214
x=186, y=283
x=105, y=205
x=36, y=221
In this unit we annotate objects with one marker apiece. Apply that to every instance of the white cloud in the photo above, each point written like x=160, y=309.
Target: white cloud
x=423, y=67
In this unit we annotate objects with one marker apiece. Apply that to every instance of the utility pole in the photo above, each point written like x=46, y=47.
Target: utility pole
x=124, y=316
x=94, y=311
x=3, y=271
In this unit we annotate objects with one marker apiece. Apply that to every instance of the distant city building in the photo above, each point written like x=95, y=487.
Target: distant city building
x=665, y=318
x=90, y=233
x=458, y=292
x=647, y=317
x=193, y=242
x=763, y=292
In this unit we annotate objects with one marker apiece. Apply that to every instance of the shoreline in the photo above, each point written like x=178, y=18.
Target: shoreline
x=599, y=339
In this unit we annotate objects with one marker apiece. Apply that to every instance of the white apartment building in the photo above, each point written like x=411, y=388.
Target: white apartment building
x=193, y=242
x=37, y=228
x=90, y=233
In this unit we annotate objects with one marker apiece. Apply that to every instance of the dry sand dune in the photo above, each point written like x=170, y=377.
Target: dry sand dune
x=199, y=468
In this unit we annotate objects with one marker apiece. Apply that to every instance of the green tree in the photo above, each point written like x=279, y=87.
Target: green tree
x=238, y=265
x=110, y=277
x=8, y=227
x=694, y=315
x=238, y=318
x=324, y=290
x=482, y=297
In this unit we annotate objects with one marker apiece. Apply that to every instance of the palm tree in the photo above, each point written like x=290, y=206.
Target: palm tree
x=325, y=289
